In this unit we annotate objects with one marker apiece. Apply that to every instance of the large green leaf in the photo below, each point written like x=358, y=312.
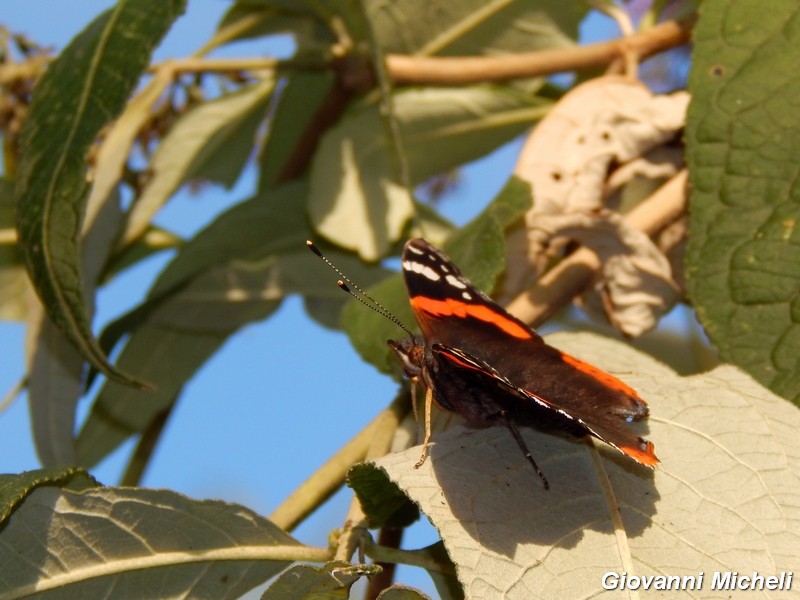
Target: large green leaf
x=79, y=94
x=136, y=543
x=743, y=144
x=724, y=497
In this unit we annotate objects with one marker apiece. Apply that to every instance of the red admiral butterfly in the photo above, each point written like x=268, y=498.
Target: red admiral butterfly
x=487, y=366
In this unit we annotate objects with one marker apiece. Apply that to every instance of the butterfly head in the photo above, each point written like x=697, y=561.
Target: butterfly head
x=411, y=353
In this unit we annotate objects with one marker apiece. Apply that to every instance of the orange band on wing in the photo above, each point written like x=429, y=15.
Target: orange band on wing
x=607, y=380
x=646, y=457
x=456, y=308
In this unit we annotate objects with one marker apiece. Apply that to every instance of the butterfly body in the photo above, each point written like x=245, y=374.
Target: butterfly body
x=480, y=362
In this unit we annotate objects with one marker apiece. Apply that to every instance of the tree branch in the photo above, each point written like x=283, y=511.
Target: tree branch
x=459, y=70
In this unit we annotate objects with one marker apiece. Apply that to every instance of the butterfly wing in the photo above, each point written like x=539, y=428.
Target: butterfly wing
x=529, y=408
x=475, y=340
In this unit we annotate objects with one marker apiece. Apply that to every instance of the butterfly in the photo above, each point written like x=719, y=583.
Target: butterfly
x=480, y=362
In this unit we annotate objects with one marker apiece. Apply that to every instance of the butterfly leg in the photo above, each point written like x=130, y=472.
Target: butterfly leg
x=512, y=427
x=414, y=407
x=427, y=438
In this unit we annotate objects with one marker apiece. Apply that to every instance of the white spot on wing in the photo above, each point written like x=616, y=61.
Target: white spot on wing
x=466, y=295
x=456, y=282
x=416, y=251
x=421, y=269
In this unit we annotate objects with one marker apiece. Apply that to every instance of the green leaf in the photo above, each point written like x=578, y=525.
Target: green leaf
x=247, y=19
x=222, y=156
x=56, y=371
x=331, y=581
x=478, y=249
x=471, y=27
x=402, y=592
x=743, y=148
x=443, y=128
x=723, y=498
x=211, y=141
x=300, y=98
x=270, y=222
x=355, y=197
x=135, y=543
x=78, y=95
x=15, y=488
x=382, y=501
x=369, y=331
x=55, y=384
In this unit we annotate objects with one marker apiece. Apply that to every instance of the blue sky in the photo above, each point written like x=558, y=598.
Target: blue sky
x=282, y=395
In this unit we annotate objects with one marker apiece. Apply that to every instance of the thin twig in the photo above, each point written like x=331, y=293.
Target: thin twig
x=13, y=393
x=389, y=537
x=415, y=558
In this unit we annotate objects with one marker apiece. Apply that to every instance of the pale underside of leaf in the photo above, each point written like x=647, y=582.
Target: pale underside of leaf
x=725, y=497
x=152, y=540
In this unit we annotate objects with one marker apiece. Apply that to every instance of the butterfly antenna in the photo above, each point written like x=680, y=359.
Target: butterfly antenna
x=359, y=293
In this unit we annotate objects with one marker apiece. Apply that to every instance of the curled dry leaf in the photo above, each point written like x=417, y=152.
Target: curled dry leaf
x=635, y=285
x=607, y=122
